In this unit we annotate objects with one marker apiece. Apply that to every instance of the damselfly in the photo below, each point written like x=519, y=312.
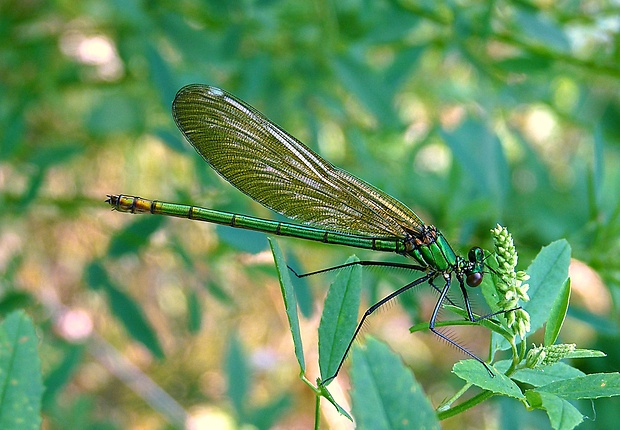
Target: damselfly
x=275, y=169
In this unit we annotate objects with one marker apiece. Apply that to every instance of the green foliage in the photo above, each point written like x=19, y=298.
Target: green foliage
x=290, y=302
x=554, y=383
x=469, y=112
x=132, y=238
x=549, y=273
x=557, y=314
x=339, y=317
x=237, y=370
x=126, y=309
x=385, y=393
x=239, y=381
x=472, y=372
x=21, y=386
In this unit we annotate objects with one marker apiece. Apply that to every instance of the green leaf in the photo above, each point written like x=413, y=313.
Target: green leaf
x=81, y=412
x=422, y=326
x=131, y=315
x=191, y=43
x=54, y=154
x=591, y=386
x=303, y=294
x=475, y=373
x=13, y=300
x=20, y=374
x=525, y=64
x=116, y=113
x=339, y=317
x=134, y=236
x=478, y=150
x=96, y=276
x=160, y=74
x=354, y=76
x=325, y=393
x=219, y=293
x=546, y=374
x=562, y=415
x=557, y=314
x=586, y=353
x=385, y=393
x=266, y=417
x=194, y=312
x=548, y=273
x=598, y=169
x=541, y=30
x=290, y=301
x=406, y=60
x=31, y=192
x=238, y=376
x=14, y=130
x=58, y=377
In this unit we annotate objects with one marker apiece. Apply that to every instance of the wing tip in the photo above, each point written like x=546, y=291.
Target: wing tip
x=199, y=88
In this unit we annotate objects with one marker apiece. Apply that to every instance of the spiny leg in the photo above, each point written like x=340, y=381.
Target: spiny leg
x=431, y=324
x=470, y=315
x=431, y=282
x=361, y=263
x=492, y=314
x=368, y=312
x=414, y=267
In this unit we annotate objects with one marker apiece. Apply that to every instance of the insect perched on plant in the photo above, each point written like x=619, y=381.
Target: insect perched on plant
x=278, y=171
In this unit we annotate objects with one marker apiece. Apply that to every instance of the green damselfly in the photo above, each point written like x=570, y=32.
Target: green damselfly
x=272, y=167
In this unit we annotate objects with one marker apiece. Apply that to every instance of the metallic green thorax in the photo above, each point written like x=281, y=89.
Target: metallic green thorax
x=431, y=249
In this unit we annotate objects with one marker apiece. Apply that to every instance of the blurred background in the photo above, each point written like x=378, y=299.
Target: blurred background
x=470, y=113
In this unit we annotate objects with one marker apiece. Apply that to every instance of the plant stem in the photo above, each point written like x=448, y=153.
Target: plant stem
x=316, y=390
x=479, y=398
x=446, y=405
x=317, y=412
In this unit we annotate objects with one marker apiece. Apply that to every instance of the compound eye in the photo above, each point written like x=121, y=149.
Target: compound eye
x=474, y=279
x=475, y=254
